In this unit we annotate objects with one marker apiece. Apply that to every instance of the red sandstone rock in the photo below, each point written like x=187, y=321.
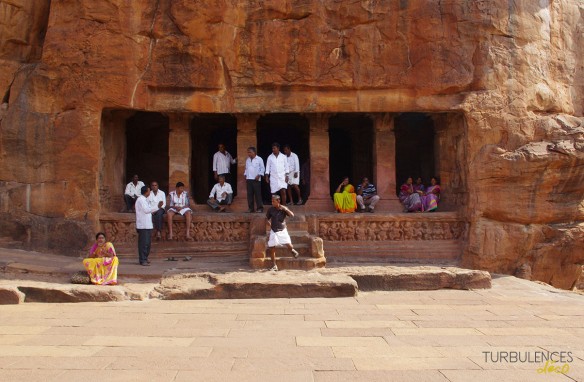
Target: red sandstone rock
x=513, y=73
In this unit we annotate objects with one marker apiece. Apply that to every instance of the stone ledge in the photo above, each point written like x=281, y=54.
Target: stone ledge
x=375, y=278
x=10, y=295
x=334, y=282
x=284, y=284
x=52, y=292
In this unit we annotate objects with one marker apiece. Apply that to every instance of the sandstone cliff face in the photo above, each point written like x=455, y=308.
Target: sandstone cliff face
x=514, y=69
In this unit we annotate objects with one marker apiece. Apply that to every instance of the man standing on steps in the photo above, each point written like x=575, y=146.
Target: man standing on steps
x=254, y=170
x=294, y=177
x=279, y=236
x=144, y=224
x=276, y=173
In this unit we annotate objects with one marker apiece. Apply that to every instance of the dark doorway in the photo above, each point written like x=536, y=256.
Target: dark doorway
x=414, y=147
x=289, y=129
x=351, y=148
x=147, y=148
x=207, y=131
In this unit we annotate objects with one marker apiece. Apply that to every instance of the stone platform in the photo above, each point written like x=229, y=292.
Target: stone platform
x=40, y=277
x=432, y=238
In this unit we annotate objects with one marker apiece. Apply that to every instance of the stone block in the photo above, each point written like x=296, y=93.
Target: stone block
x=10, y=295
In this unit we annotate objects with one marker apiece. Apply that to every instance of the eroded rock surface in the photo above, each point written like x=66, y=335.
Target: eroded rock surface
x=514, y=70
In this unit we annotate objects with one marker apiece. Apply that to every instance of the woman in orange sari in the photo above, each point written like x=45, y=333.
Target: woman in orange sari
x=345, y=197
x=102, y=263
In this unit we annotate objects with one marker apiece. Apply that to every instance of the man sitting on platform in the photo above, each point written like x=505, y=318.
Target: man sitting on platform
x=132, y=193
x=221, y=195
x=367, y=196
x=179, y=204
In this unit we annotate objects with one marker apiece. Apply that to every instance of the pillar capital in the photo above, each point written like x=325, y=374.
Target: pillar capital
x=318, y=123
x=179, y=121
x=247, y=123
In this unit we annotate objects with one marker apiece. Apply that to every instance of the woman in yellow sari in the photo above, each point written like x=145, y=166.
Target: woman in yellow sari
x=102, y=263
x=345, y=197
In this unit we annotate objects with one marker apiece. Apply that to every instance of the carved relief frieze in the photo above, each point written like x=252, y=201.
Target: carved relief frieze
x=395, y=230
x=201, y=231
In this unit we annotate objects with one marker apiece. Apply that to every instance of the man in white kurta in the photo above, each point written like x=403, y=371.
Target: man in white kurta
x=220, y=196
x=294, y=176
x=144, y=212
x=132, y=192
x=222, y=162
x=277, y=170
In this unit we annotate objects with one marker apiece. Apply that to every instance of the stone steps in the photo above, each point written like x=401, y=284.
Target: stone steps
x=164, y=249
x=289, y=262
x=8, y=242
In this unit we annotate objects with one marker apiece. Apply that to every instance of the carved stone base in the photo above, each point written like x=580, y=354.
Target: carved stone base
x=310, y=248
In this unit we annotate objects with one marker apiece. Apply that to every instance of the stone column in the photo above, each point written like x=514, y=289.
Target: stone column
x=179, y=151
x=384, y=162
x=318, y=143
x=246, y=137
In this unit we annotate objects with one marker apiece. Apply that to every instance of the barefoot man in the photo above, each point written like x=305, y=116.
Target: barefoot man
x=279, y=236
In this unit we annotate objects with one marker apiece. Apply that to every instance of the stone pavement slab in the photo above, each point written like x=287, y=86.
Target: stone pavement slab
x=364, y=338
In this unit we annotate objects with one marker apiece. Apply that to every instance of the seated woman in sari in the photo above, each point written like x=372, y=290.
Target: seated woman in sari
x=432, y=196
x=345, y=197
x=409, y=197
x=419, y=186
x=102, y=263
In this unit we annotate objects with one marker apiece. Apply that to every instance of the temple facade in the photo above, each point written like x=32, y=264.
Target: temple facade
x=487, y=95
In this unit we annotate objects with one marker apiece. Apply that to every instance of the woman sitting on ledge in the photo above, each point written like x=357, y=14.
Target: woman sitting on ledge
x=102, y=263
x=345, y=200
x=431, y=196
x=409, y=197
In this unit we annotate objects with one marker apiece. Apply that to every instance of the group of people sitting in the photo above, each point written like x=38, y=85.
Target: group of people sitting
x=414, y=197
x=363, y=200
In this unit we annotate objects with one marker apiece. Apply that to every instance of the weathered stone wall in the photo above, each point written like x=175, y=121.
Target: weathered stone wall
x=514, y=69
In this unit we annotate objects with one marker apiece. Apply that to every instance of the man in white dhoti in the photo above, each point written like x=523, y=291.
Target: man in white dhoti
x=179, y=204
x=276, y=173
x=279, y=236
x=294, y=176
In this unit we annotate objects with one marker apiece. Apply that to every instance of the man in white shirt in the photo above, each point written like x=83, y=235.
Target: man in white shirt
x=220, y=196
x=277, y=172
x=254, y=170
x=144, y=224
x=132, y=193
x=294, y=176
x=156, y=196
x=222, y=162
x=179, y=204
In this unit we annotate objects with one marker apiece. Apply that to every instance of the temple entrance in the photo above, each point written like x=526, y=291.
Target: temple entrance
x=289, y=129
x=207, y=131
x=414, y=147
x=147, y=148
x=351, y=148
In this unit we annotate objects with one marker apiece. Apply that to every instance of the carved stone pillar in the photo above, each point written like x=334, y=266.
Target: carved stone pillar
x=246, y=137
x=318, y=142
x=384, y=162
x=179, y=151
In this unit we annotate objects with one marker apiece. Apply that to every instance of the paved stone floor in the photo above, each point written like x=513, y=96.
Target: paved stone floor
x=387, y=336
